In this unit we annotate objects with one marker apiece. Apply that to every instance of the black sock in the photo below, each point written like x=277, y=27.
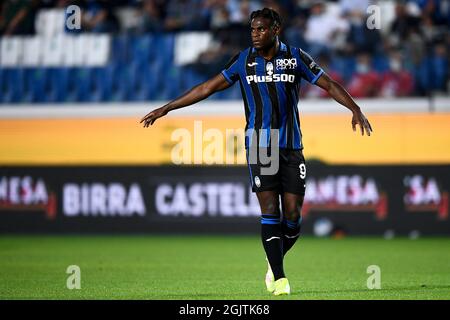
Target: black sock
x=271, y=237
x=291, y=232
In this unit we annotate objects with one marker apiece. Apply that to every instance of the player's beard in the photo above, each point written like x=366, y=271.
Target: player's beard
x=268, y=46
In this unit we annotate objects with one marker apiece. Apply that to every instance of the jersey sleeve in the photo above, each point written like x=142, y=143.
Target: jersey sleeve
x=231, y=72
x=308, y=68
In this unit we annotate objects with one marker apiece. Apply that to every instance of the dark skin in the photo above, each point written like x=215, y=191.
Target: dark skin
x=265, y=40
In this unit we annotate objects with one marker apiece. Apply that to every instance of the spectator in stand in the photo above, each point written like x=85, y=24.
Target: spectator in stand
x=429, y=30
x=439, y=65
x=150, y=17
x=331, y=27
x=360, y=38
x=239, y=10
x=366, y=81
x=278, y=6
x=354, y=6
x=97, y=16
x=236, y=34
x=220, y=16
x=437, y=10
x=396, y=82
x=183, y=15
x=406, y=20
x=295, y=32
x=17, y=17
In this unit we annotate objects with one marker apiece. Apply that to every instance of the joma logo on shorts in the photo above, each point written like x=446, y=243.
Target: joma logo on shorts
x=283, y=64
x=272, y=78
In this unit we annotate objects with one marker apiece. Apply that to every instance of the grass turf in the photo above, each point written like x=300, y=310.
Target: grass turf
x=219, y=267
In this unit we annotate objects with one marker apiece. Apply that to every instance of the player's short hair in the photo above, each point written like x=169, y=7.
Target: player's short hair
x=267, y=13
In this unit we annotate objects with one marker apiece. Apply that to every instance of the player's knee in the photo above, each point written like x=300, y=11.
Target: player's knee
x=272, y=207
x=292, y=215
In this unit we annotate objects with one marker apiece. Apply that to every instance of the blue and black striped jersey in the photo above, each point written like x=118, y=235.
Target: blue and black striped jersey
x=270, y=90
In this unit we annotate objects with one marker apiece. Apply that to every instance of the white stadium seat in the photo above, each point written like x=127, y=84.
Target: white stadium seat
x=97, y=50
x=52, y=51
x=11, y=52
x=189, y=45
x=32, y=47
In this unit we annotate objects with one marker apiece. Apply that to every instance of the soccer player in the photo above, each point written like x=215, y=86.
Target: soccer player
x=269, y=74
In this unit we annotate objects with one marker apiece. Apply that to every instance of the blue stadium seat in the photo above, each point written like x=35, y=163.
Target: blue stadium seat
x=2, y=83
x=345, y=66
x=431, y=74
x=145, y=82
x=102, y=83
x=12, y=85
x=171, y=83
x=423, y=76
x=36, y=85
x=380, y=63
x=83, y=84
x=164, y=46
x=59, y=79
x=119, y=49
x=142, y=50
x=121, y=86
x=439, y=67
x=72, y=83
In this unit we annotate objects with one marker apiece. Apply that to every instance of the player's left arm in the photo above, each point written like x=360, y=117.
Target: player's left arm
x=339, y=94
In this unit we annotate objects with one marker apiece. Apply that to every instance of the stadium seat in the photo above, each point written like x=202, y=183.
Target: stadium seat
x=142, y=50
x=120, y=49
x=439, y=67
x=380, y=63
x=171, y=84
x=121, y=86
x=32, y=55
x=98, y=49
x=103, y=83
x=345, y=66
x=53, y=51
x=143, y=82
x=423, y=76
x=58, y=80
x=12, y=85
x=36, y=85
x=83, y=84
x=11, y=50
x=165, y=43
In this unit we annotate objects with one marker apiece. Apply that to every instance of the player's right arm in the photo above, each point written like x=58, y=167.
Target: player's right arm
x=194, y=95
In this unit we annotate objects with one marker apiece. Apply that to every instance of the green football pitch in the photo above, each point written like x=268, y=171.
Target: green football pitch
x=219, y=267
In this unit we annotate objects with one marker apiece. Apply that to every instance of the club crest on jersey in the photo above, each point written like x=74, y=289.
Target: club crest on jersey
x=257, y=181
x=283, y=64
x=269, y=68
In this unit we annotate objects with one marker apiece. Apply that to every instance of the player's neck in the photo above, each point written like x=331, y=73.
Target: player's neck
x=269, y=53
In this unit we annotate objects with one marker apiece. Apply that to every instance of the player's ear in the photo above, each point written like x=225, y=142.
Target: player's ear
x=276, y=29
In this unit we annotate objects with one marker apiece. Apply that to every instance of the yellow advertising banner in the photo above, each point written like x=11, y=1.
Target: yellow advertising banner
x=416, y=138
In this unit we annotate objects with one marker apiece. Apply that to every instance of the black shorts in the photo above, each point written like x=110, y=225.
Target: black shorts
x=290, y=176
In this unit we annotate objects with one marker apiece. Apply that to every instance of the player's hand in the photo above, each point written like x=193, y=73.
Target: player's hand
x=151, y=117
x=359, y=118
